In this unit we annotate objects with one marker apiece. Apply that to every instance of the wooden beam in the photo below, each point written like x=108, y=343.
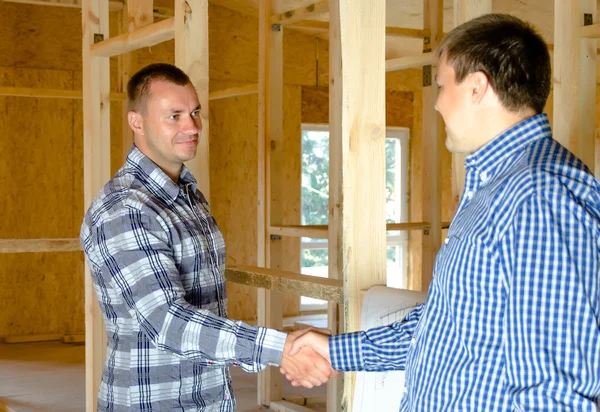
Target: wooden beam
x=314, y=11
x=32, y=338
x=270, y=136
x=137, y=14
x=357, y=156
x=96, y=172
x=284, y=406
x=391, y=31
x=113, y=6
x=234, y=92
x=464, y=10
x=191, y=55
x=321, y=231
x=143, y=37
x=39, y=245
x=574, y=79
x=286, y=282
x=590, y=32
x=51, y=93
x=431, y=147
x=409, y=62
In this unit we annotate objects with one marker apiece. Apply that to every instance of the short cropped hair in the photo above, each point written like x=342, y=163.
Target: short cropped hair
x=509, y=51
x=138, y=87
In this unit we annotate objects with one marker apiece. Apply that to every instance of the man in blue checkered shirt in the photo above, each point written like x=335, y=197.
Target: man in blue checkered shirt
x=512, y=319
x=157, y=260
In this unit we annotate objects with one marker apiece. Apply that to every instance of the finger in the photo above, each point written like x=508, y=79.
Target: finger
x=297, y=345
x=283, y=371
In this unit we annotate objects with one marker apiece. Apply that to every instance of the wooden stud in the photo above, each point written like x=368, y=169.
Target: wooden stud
x=431, y=146
x=191, y=55
x=286, y=282
x=464, y=10
x=139, y=13
x=96, y=171
x=357, y=157
x=270, y=137
x=143, y=37
x=574, y=79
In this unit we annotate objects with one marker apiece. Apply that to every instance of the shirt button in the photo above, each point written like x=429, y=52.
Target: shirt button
x=484, y=176
x=469, y=194
x=446, y=241
x=413, y=341
x=405, y=390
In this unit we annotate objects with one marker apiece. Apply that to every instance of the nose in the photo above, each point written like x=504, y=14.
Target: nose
x=191, y=126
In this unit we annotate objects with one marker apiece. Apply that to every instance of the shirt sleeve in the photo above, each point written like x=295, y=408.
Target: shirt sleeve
x=552, y=315
x=379, y=349
x=134, y=255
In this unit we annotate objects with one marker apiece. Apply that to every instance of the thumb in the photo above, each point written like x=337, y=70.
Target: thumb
x=297, y=345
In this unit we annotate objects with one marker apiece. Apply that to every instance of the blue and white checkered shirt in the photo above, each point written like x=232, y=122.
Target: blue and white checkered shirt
x=512, y=319
x=157, y=259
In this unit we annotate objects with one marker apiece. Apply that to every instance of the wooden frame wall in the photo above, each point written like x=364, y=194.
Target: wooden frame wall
x=352, y=149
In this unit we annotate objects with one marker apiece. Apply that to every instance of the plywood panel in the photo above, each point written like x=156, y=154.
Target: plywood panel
x=40, y=198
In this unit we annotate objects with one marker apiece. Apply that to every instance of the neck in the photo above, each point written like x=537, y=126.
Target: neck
x=494, y=124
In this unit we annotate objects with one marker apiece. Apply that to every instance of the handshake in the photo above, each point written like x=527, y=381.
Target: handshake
x=306, y=361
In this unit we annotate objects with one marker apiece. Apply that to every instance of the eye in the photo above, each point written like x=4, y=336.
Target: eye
x=174, y=117
x=196, y=114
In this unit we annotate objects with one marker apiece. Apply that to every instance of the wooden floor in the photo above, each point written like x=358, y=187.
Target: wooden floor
x=49, y=376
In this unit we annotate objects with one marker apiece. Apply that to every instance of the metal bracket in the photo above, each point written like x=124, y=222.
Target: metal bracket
x=98, y=37
x=275, y=27
x=275, y=237
x=426, y=75
x=588, y=19
x=426, y=232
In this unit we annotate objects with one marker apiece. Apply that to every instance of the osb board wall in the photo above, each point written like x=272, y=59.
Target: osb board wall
x=40, y=197
x=234, y=173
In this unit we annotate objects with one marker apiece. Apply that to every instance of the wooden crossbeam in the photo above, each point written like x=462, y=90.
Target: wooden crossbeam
x=323, y=26
x=314, y=11
x=113, y=6
x=234, y=91
x=321, y=231
x=409, y=62
x=39, y=245
x=143, y=37
x=50, y=93
x=286, y=282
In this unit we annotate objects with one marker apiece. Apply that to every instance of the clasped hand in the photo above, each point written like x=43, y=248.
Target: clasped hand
x=306, y=359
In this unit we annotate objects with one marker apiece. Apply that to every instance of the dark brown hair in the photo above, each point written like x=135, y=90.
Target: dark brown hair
x=510, y=52
x=138, y=87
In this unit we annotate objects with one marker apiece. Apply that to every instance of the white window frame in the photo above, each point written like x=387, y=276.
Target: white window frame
x=401, y=239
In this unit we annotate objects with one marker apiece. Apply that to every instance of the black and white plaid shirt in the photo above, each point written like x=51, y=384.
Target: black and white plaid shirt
x=157, y=260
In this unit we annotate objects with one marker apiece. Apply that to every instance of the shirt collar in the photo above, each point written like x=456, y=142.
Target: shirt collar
x=154, y=175
x=506, y=144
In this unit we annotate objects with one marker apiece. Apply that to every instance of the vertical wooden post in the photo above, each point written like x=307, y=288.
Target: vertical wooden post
x=432, y=145
x=357, y=148
x=96, y=172
x=574, y=79
x=136, y=14
x=191, y=55
x=464, y=10
x=270, y=137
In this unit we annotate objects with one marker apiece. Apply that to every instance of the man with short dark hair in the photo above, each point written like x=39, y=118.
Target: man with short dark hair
x=512, y=319
x=157, y=260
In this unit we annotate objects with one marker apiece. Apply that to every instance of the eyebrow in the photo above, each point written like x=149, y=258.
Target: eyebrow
x=178, y=111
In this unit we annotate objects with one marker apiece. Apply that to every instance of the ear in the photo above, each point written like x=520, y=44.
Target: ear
x=479, y=86
x=136, y=122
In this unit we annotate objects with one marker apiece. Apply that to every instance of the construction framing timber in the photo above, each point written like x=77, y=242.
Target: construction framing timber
x=357, y=123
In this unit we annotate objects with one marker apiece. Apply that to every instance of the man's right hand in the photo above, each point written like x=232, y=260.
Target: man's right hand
x=306, y=358
x=302, y=364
